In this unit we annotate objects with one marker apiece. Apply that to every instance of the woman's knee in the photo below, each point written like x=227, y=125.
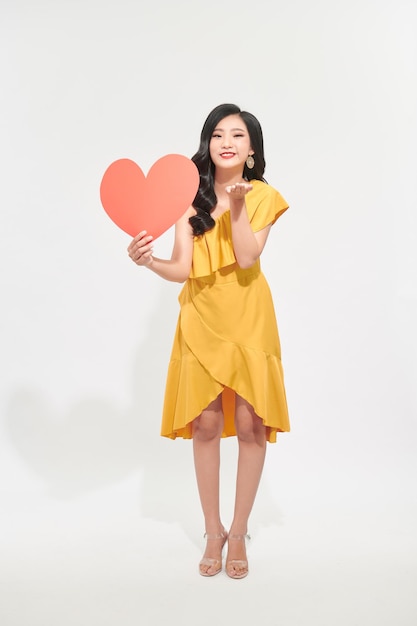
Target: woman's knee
x=249, y=426
x=209, y=424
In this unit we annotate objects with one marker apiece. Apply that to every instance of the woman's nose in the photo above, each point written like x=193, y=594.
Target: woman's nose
x=227, y=142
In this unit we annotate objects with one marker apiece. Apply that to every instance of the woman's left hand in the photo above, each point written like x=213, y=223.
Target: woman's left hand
x=239, y=190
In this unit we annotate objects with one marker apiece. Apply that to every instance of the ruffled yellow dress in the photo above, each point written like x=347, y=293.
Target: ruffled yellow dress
x=226, y=339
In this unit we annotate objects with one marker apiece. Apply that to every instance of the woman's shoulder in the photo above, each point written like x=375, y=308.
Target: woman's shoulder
x=265, y=204
x=263, y=190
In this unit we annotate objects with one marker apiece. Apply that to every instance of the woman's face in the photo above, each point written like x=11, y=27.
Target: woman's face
x=230, y=143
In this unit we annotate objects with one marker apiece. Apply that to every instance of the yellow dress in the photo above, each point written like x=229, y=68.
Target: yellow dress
x=226, y=339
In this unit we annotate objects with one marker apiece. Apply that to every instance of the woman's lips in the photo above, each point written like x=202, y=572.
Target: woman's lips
x=227, y=155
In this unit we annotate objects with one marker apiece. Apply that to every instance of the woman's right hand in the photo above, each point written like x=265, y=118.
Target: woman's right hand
x=140, y=249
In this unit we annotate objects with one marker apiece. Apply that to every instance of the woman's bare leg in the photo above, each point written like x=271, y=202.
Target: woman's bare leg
x=251, y=434
x=207, y=430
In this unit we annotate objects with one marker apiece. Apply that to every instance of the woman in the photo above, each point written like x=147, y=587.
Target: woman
x=225, y=375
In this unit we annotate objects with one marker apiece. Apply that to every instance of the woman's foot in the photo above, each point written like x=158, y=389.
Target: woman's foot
x=236, y=561
x=211, y=563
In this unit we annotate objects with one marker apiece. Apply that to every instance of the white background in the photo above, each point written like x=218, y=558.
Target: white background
x=100, y=519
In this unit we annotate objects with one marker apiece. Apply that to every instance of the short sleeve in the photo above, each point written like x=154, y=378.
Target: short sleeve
x=264, y=204
x=214, y=249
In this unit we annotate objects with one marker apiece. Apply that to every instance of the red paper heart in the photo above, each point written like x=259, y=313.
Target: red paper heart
x=153, y=203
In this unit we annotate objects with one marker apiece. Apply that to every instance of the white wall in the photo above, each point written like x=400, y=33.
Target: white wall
x=86, y=335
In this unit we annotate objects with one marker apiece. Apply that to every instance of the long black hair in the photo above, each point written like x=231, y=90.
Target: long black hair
x=206, y=199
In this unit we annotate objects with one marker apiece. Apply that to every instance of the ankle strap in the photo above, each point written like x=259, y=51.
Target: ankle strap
x=239, y=537
x=221, y=535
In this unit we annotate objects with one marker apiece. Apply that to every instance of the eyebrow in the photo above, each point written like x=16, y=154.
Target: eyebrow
x=232, y=129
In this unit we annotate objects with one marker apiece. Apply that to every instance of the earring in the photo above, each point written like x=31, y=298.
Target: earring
x=250, y=162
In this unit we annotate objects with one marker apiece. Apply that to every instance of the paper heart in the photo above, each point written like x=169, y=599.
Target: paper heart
x=152, y=203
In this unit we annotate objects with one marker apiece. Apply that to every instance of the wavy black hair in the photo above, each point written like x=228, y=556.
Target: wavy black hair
x=206, y=199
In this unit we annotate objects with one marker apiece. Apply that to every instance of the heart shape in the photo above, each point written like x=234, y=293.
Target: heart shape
x=152, y=203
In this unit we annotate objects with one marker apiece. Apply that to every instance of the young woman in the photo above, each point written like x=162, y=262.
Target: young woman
x=225, y=376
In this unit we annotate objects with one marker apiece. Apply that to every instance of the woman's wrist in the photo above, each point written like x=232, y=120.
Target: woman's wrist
x=237, y=210
x=237, y=205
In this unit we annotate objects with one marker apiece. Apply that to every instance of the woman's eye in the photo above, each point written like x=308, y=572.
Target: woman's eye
x=216, y=136
x=238, y=135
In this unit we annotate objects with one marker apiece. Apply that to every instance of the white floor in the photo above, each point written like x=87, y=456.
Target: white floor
x=108, y=558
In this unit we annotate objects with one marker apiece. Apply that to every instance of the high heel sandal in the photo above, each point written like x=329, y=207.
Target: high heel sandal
x=242, y=565
x=209, y=562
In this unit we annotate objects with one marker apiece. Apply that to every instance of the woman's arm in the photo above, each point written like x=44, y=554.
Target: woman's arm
x=247, y=245
x=176, y=269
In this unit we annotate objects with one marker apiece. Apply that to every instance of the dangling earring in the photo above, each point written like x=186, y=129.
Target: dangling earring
x=250, y=162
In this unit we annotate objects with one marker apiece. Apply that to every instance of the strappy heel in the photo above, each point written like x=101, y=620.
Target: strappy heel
x=209, y=562
x=237, y=568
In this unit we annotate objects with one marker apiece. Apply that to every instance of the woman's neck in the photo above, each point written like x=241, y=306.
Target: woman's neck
x=223, y=179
